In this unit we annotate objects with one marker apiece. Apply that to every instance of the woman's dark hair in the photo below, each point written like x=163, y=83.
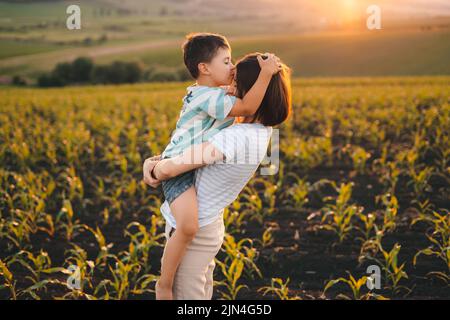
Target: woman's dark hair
x=277, y=102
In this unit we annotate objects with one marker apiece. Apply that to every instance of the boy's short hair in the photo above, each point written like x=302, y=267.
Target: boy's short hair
x=201, y=47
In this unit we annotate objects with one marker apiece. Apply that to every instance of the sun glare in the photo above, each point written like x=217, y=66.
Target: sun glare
x=349, y=9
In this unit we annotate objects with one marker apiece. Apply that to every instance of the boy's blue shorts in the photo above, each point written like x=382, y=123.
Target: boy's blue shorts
x=174, y=187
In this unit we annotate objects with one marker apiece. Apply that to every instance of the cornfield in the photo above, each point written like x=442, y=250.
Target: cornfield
x=364, y=180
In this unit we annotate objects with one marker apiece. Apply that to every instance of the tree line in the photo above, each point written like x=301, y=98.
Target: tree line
x=84, y=71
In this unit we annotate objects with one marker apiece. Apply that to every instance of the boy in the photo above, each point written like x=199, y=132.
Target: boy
x=206, y=109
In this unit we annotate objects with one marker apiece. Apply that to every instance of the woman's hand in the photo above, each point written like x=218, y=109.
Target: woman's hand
x=148, y=166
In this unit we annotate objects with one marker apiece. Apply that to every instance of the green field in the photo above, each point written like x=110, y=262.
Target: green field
x=10, y=48
x=363, y=180
x=348, y=54
x=360, y=54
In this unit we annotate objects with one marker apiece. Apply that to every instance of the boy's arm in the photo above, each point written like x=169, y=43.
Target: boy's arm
x=192, y=158
x=249, y=104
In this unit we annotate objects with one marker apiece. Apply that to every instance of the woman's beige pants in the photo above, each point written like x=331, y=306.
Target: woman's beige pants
x=194, y=276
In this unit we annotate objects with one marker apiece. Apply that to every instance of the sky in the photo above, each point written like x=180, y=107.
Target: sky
x=345, y=10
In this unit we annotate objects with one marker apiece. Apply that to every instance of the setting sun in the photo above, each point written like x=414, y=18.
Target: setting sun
x=349, y=3
x=349, y=10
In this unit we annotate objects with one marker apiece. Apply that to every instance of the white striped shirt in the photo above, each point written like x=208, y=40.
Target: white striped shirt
x=244, y=146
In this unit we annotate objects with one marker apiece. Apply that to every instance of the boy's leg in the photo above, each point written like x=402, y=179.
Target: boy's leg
x=185, y=210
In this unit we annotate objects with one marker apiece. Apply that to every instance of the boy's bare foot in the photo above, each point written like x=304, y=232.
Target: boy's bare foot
x=163, y=292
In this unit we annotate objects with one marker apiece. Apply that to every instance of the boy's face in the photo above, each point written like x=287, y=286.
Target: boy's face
x=221, y=67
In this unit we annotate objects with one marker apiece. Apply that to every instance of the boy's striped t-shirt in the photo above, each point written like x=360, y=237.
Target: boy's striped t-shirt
x=204, y=113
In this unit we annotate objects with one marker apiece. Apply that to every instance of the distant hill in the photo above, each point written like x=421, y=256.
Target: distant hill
x=307, y=34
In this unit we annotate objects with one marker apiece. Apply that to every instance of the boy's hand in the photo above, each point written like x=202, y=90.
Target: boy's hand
x=231, y=89
x=270, y=65
x=149, y=163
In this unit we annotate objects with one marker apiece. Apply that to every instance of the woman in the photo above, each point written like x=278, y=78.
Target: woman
x=227, y=162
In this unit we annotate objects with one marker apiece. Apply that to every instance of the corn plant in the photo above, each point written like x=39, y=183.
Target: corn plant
x=269, y=196
x=420, y=181
x=242, y=249
x=85, y=271
x=297, y=194
x=369, y=225
x=142, y=284
x=65, y=221
x=19, y=228
x=253, y=205
x=279, y=288
x=9, y=281
x=390, y=213
x=424, y=210
x=308, y=153
x=232, y=274
x=36, y=265
x=76, y=189
x=441, y=150
x=371, y=246
x=338, y=216
x=26, y=202
x=238, y=255
x=355, y=285
x=359, y=158
x=234, y=218
x=123, y=277
x=267, y=237
x=142, y=241
x=387, y=171
x=393, y=272
x=104, y=247
x=439, y=238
